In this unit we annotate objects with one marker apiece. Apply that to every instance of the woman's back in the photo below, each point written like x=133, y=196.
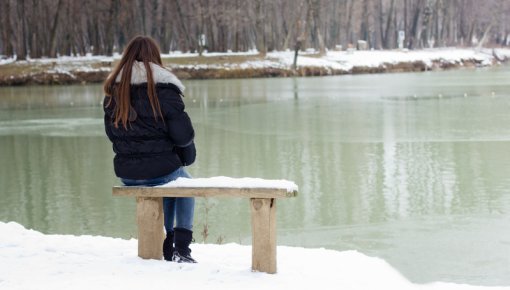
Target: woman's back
x=150, y=145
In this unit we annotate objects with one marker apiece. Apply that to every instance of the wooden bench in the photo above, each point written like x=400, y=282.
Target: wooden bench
x=149, y=211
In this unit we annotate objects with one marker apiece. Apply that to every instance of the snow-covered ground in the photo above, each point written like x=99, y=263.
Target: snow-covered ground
x=7, y=60
x=346, y=60
x=84, y=69
x=32, y=260
x=174, y=54
x=339, y=60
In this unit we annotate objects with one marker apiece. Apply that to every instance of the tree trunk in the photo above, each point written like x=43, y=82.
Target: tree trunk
x=236, y=26
x=7, y=33
x=155, y=20
x=406, y=28
x=485, y=34
x=163, y=29
x=299, y=43
x=143, y=17
x=437, y=23
x=186, y=37
x=260, y=27
x=415, y=30
x=53, y=34
x=381, y=26
x=364, y=29
x=111, y=25
x=293, y=29
x=348, y=26
x=315, y=5
x=388, y=31
x=472, y=32
x=334, y=35
x=211, y=23
x=21, y=46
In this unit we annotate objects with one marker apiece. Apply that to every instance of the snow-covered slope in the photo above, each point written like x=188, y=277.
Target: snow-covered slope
x=32, y=260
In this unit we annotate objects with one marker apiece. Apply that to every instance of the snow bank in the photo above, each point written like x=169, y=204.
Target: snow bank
x=339, y=60
x=346, y=60
x=172, y=54
x=229, y=182
x=7, y=60
x=88, y=68
x=32, y=260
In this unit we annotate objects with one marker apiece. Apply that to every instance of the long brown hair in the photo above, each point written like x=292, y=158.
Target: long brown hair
x=143, y=49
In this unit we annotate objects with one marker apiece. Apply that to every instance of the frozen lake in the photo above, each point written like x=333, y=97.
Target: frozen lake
x=413, y=168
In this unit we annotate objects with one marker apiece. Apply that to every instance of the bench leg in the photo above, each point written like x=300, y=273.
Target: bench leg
x=263, y=225
x=149, y=214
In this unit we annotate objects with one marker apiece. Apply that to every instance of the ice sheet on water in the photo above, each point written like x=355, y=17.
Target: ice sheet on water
x=53, y=127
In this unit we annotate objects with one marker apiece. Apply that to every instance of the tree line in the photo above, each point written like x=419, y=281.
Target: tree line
x=47, y=28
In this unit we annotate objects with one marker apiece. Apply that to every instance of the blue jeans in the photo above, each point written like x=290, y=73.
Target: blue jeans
x=180, y=209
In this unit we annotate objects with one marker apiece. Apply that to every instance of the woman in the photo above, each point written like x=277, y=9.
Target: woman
x=152, y=136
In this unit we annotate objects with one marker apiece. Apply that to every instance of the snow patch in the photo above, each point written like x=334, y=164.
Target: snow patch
x=7, y=60
x=346, y=60
x=229, y=182
x=177, y=53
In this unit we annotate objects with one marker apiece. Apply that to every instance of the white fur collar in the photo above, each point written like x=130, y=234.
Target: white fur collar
x=159, y=74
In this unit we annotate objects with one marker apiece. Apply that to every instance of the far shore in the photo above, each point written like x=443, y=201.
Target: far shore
x=94, y=69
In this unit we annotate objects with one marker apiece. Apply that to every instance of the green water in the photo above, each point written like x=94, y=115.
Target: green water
x=413, y=168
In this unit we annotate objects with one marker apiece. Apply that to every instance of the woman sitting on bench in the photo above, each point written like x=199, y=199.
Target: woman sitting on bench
x=152, y=135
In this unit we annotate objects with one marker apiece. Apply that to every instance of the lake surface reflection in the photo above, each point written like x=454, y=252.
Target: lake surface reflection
x=412, y=168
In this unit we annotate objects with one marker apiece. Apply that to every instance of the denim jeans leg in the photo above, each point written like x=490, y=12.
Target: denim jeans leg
x=169, y=212
x=178, y=209
x=184, y=208
x=185, y=211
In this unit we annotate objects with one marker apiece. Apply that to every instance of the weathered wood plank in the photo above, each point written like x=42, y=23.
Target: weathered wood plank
x=149, y=212
x=202, y=192
x=263, y=225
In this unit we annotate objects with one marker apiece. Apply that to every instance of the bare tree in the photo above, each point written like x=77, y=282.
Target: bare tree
x=53, y=33
x=7, y=47
x=38, y=28
x=317, y=38
x=260, y=26
x=21, y=46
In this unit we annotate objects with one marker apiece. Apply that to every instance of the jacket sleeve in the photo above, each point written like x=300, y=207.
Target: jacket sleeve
x=181, y=131
x=107, y=119
x=186, y=154
x=179, y=126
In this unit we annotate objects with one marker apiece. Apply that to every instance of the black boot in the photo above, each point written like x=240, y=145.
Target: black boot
x=182, y=252
x=168, y=246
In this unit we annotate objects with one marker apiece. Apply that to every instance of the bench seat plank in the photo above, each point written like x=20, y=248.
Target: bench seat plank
x=202, y=192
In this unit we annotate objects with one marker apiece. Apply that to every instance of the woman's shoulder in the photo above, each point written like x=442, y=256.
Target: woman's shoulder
x=169, y=93
x=163, y=76
x=160, y=75
x=170, y=97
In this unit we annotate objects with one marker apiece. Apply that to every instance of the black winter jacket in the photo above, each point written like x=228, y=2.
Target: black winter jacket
x=150, y=148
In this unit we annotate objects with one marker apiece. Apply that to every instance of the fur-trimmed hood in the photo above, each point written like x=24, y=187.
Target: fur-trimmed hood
x=159, y=74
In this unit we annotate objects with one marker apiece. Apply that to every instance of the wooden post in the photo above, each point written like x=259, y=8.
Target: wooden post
x=149, y=212
x=263, y=224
